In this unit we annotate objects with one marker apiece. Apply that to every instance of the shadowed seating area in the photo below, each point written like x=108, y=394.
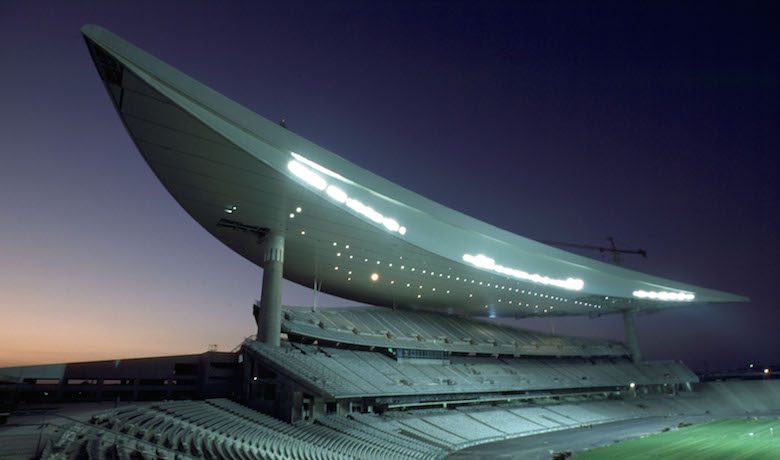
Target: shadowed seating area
x=346, y=373
x=382, y=327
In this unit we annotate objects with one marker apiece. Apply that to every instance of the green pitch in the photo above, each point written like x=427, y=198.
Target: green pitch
x=725, y=439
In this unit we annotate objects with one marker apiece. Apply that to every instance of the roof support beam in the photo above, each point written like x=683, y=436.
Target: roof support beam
x=631, y=339
x=269, y=317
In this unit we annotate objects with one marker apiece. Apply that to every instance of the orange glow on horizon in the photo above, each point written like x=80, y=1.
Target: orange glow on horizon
x=38, y=330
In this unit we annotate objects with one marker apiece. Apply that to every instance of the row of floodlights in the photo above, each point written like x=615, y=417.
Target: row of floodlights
x=300, y=167
x=665, y=295
x=486, y=263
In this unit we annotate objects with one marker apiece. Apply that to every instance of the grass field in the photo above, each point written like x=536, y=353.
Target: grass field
x=725, y=439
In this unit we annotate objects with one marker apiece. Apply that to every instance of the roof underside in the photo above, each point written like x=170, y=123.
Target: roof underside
x=364, y=238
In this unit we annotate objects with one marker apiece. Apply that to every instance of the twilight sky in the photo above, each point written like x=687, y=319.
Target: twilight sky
x=655, y=122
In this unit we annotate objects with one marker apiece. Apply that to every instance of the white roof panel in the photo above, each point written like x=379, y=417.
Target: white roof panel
x=239, y=174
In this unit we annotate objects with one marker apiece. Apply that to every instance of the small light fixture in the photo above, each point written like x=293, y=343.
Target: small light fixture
x=375, y=277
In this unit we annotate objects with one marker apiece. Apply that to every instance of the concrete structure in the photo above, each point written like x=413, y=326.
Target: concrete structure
x=418, y=381
x=270, y=314
x=629, y=322
x=353, y=233
x=204, y=375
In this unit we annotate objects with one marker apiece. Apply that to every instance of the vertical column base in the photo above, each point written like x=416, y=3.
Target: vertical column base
x=631, y=339
x=269, y=312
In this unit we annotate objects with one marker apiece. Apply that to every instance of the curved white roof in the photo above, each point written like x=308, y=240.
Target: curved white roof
x=364, y=237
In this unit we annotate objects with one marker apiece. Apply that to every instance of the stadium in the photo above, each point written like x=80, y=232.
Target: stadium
x=415, y=373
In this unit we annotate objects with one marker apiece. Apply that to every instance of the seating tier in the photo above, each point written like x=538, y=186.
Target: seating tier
x=346, y=373
x=382, y=327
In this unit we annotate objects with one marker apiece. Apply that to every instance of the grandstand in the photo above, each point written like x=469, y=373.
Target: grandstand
x=218, y=428
x=420, y=373
x=380, y=327
x=351, y=374
x=371, y=361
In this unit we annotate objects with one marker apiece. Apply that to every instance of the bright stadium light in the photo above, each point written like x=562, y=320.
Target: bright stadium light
x=766, y=371
x=307, y=175
x=367, y=211
x=665, y=295
x=300, y=168
x=486, y=263
x=336, y=193
x=632, y=385
x=320, y=168
x=391, y=224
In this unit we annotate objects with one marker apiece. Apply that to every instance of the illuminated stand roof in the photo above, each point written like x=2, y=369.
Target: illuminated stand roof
x=363, y=237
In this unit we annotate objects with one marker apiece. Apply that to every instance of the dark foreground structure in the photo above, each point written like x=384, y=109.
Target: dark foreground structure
x=417, y=375
x=208, y=375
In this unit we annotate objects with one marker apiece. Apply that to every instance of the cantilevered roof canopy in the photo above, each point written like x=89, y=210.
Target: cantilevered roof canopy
x=240, y=175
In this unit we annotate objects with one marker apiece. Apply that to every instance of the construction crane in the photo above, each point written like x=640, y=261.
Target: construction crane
x=612, y=250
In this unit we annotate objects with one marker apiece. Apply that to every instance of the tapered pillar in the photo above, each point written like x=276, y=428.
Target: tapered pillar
x=269, y=317
x=631, y=339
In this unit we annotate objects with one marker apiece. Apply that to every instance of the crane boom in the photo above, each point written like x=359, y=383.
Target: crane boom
x=612, y=249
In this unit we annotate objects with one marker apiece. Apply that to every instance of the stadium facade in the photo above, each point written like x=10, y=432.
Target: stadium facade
x=305, y=214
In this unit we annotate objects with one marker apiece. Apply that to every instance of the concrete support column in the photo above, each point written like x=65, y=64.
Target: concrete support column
x=269, y=317
x=631, y=339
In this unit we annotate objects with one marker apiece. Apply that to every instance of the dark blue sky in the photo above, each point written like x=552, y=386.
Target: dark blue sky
x=654, y=122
